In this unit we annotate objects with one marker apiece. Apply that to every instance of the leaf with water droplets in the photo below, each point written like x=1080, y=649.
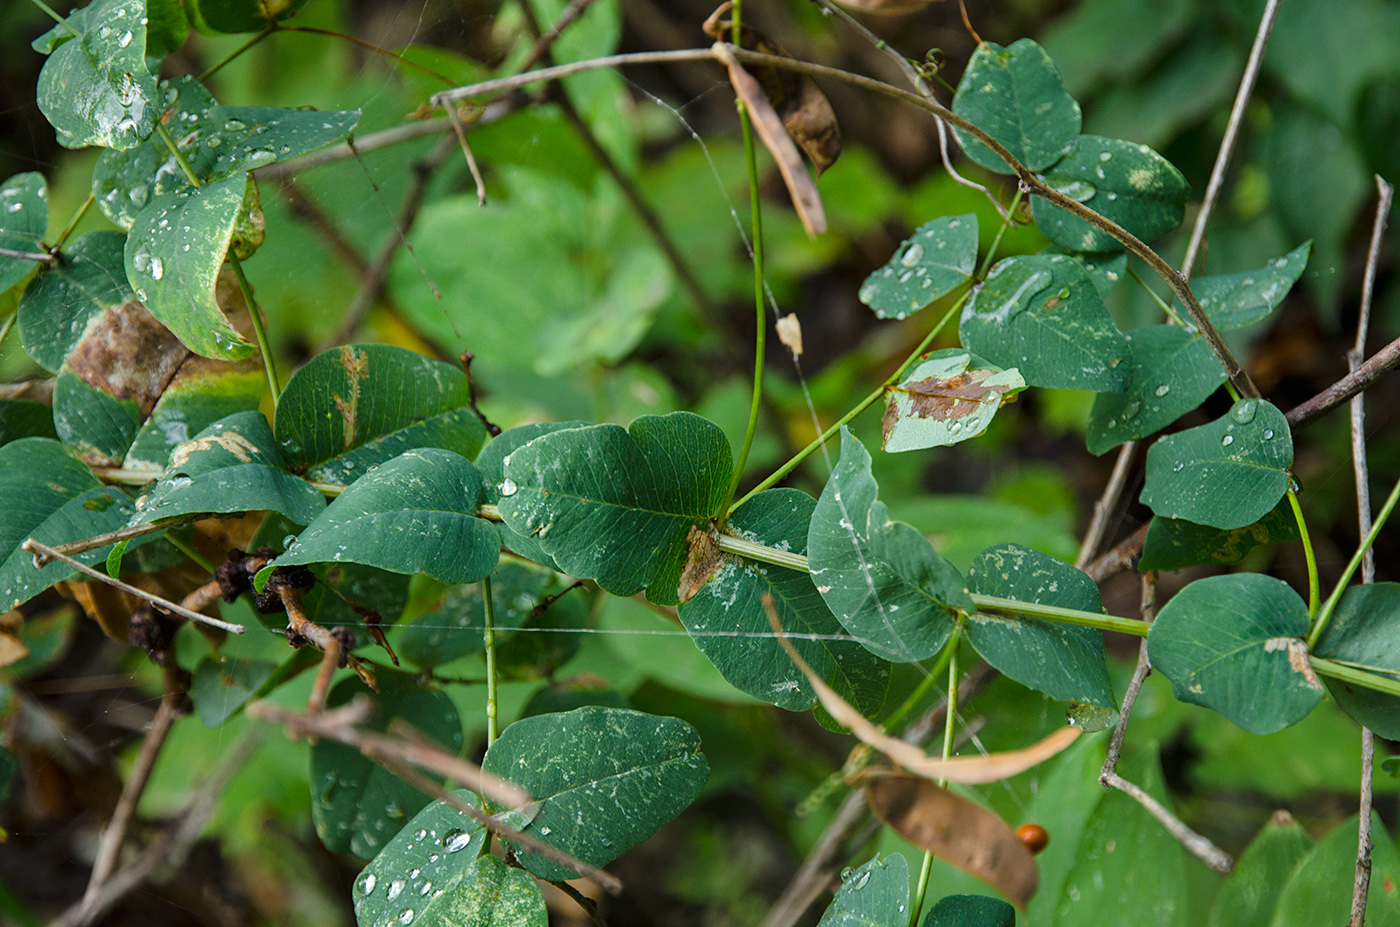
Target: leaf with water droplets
x=1042, y=314
x=873, y=895
x=1174, y=543
x=728, y=623
x=1014, y=94
x=96, y=89
x=24, y=217
x=1226, y=474
x=415, y=514
x=1236, y=300
x=173, y=255
x=357, y=805
x=932, y=262
x=1362, y=632
x=1224, y=640
x=1172, y=371
x=1105, y=268
x=63, y=300
x=946, y=398
x=492, y=463
x=883, y=580
x=605, y=779
x=1129, y=184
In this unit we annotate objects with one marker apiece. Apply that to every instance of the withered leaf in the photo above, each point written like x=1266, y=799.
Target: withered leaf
x=701, y=563
x=790, y=333
x=805, y=112
x=956, y=830
x=127, y=354
x=947, y=398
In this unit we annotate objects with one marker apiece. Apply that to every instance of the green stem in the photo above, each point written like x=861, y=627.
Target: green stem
x=56, y=18
x=924, y=872
x=190, y=552
x=7, y=325
x=1330, y=605
x=77, y=217
x=1161, y=304
x=1378, y=682
x=1313, y=590
x=996, y=242
x=917, y=696
x=488, y=638
x=950, y=722
x=778, y=474
x=236, y=52
x=180, y=158
x=258, y=329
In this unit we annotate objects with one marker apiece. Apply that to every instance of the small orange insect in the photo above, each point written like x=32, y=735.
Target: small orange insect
x=1035, y=837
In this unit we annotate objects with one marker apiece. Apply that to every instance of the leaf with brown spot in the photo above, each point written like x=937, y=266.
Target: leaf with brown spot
x=701, y=563
x=956, y=830
x=949, y=397
x=805, y=112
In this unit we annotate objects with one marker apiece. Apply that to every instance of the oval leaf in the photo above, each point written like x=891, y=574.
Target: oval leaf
x=492, y=464
x=1014, y=94
x=1362, y=632
x=202, y=392
x=1320, y=889
x=1226, y=474
x=932, y=262
x=1236, y=300
x=874, y=894
x=1042, y=315
x=1225, y=639
x=1250, y=895
x=948, y=397
x=1173, y=543
x=24, y=217
x=605, y=779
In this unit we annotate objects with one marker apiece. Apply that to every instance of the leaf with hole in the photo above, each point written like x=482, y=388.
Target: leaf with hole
x=1172, y=371
x=932, y=262
x=1249, y=897
x=96, y=89
x=386, y=400
x=1236, y=300
x=727, y=620
x=24, y=217
x=948, y=397
x=605, y=779
x=1014, y=94
x=1362, y=633
x=615, y=505
x=1128, y=184
x=1174, y=543
x=358, y=806
x=1226, y=474
x=1043, y=315
x=1225, y=639
x=884, y=582
x=415, y=514
x=873, y=895
x=1061, y=660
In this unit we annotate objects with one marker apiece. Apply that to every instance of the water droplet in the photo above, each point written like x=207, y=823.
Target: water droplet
x=1268, y=434
x=1243, y=412
x=456, y=840
x=507, y=487
x=420, y=834
x=367, y=884
x=1105, y=156
x=261, y=156
x=395, y=888
x=234, y=125
x=1295, y=486
x=1092, y=717
x=1178, y=467
x=288, y=541
x=406, y=916
x=1227, y=440
x=861, y=878
x=912, y=255
x=1162, y=390
x=124, y=40
x=846, y=873
x=157, y=268
x=427, y=887
x=544, y=831
x=906, y=276
x=141, y=260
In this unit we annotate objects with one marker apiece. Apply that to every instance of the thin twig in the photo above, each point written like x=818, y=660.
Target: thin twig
x=38, y=257
x=590, y=907
x=460, y=130
x=1348, y=386
x=35, y=547
x=1104, y=507
x=102, y=540
x=542, y=46
x=1195, y=843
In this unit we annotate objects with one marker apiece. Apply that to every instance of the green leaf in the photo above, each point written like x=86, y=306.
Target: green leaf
x=1014, y=94
x=168, y=27
x=730, y=607
x=932, y=262
x=1061, y=660
x=885, y=583
x=25, y=418
x=1362, y=633
x=1172, y=372
x=173, y=254
x=354, y=407
x=64, y=299
x=24, y=217
x=1250, y=895
x=222, y=17
x=873, y=895
x=492, y=464
x=1043, y=315
x=1064, y=801
x=486, y=893
x=1129, y=184
x=1319, y=891
x=946, y=398
x=414, y=514
x=357, y=805
x=1173, y=543
x=222, y=685
x=1226, y=474
x=605, y=779
x=98, y=426
x=1236, y=300
x=231, y=466
x=1225, y=639
x=1105, y=268
x=971, y=911
x=613, y=504
x=202, y=393
x=612, y=326
x=96, y=89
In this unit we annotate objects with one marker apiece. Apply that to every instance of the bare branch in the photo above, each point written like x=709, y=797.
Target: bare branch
x=571, y=12
x=102, y=540
x=1103, y=509
x=38, y=257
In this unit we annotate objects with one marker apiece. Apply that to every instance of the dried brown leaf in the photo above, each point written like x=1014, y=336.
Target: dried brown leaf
x=956, y=830
x=701, y=563
x=790, y=333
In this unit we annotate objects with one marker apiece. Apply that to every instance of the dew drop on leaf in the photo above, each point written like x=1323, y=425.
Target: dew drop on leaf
x=1227, y=440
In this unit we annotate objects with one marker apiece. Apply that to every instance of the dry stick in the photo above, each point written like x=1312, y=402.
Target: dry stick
x=590, y=907
x=1198, y=845
x=102, y=540
x=460, y=130
x=38, y=257
x=172, y=844
x=546, y=41
x=1104, y=507
x=1362, y=883
x=165, y=605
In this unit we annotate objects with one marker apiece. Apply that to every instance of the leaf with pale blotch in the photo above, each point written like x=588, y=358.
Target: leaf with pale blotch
x=932, y=262
x=1014, y=94
x=1224, y=640
x=872, y=895
x=24, y=217
x=1226, y=474
x=1174, y=543
x=1236, y=300
x=605, y=779
x=948, y=397
x=96, y=89
x=1362, y=633
x=957, y=831
x=1173, y=371
x=1129, y=184
x=63, y=300
x=202, y=392
x=1043, y=315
